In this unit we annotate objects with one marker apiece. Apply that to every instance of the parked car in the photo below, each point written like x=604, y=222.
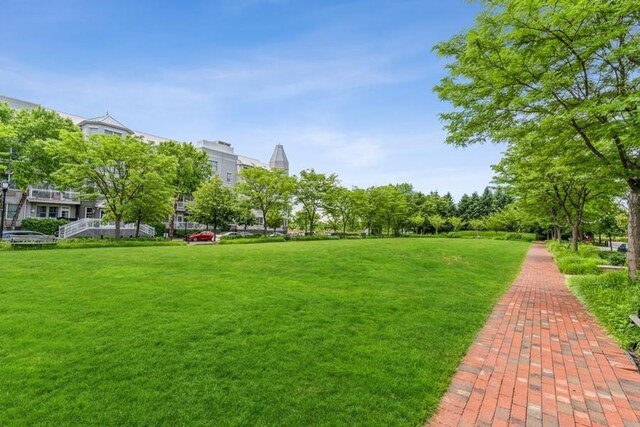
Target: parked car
x=202, y=236
x=227, y=234
x=247, y=234
x=623, y=247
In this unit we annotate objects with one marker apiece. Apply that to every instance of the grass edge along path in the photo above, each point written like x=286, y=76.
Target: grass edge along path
x=363, y=332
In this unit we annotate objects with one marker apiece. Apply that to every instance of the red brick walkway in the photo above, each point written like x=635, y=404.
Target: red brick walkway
x=541, y=360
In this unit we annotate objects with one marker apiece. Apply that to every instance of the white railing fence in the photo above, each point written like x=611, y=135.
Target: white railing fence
x=76, y=227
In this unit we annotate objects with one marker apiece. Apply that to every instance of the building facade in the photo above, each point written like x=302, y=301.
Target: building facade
x=46, y=201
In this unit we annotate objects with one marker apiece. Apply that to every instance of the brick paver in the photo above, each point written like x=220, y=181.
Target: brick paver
x=541, y=360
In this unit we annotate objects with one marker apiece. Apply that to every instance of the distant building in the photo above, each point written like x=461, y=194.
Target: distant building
x=46, y=201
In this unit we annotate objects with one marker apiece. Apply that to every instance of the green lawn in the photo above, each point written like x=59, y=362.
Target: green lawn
x=356, y=332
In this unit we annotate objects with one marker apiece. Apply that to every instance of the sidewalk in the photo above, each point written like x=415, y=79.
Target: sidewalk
x=541, y=360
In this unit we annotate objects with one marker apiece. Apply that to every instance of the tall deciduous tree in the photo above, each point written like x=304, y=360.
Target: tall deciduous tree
x=265, y=190
x=29, y=162
x=436, y=221
x=554, y=65
x=312, y=192
x=115, y=169
x=559, y=179
x=342, y=206
x=213, y=203
x=153, y=203
x=193, y=168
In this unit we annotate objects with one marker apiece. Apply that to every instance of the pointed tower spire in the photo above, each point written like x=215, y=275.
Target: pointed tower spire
x=279, y=159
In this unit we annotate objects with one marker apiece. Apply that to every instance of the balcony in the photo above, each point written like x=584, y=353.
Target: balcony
x=54, y=196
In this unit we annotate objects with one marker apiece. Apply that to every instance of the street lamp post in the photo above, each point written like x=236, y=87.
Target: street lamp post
x=5, y=188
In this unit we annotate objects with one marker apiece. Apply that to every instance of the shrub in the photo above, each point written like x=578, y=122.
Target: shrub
x=611, y=298
x=526, y=237
x=233, y=240
x=614, y=258
x=453, y=235
x=578, y=265
x=43, y=225
x=589, y=251
x=160, y=228
x=315, y=237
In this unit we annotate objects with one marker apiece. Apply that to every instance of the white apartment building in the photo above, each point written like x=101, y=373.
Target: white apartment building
x=45, y=201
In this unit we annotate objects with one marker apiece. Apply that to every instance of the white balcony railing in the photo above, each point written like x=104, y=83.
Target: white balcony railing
x=54, y=195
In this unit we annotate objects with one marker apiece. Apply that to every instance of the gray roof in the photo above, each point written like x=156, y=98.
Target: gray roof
x=106, y=120
x=17, y=104
x=279, y=159
x=249, y=161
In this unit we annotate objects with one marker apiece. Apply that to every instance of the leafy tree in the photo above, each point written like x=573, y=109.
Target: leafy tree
x=437, y=222
x=115, y=169
x=244, y=214
x=213, y=203
x=193, y=168
x=562, y=65
x=477, y=224
x=456, y=222
x=7, y=133
x=275, y=219
x=153, y=203
x=265, y=189
x=561, y=181
x=341, y=205
x=416, y=221
x=385, y=207
x=312, y=192
x=30, y=163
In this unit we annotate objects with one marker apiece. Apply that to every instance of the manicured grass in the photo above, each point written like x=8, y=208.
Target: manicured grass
x=364, y=332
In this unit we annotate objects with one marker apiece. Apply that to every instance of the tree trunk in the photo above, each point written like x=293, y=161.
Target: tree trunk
x=23, y=199
x=633, y=232
x=138, y=221
x=118, y=219
x=575, y=236
x=264, y=221
x=171, y=225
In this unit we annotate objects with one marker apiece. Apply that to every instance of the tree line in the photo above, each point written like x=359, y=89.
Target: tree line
x=143, y=183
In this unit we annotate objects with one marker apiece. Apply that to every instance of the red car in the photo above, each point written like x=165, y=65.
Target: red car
x=202, y=236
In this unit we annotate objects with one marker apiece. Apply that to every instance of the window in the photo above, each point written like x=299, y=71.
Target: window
x=92, y=130
x=228, y=176
x=64, y=212
x=112, y=132
x=214, y=165
x=260, y=220
x=179, y=218
x=89, y=212
x=11, y=210
x=53, y=212
x=41, y=211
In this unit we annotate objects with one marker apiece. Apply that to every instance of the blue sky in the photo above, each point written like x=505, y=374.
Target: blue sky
x=345, y=86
